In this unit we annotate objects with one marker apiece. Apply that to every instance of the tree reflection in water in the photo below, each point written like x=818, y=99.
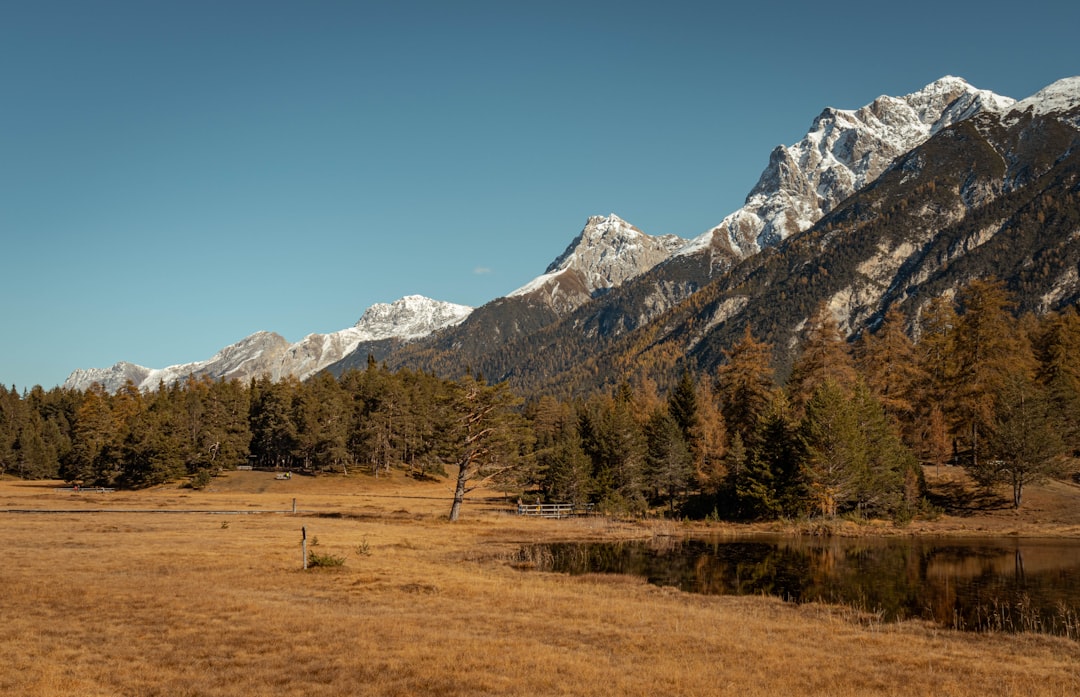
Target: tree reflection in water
x=980, y=585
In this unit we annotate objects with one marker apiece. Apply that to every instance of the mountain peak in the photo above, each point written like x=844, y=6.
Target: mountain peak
x=409, y=317
x=843, y=151
x=606, y=253
x=1059, y=97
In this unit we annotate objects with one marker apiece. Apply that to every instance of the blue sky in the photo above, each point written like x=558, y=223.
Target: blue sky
x=177, y=175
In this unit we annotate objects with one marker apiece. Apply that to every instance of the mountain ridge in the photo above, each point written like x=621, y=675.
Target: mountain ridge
x=268, y=353
x=873, y=207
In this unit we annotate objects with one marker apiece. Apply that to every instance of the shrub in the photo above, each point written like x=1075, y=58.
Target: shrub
x=316, y=560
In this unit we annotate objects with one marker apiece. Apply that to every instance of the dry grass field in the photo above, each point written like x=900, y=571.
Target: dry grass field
x=128, y=594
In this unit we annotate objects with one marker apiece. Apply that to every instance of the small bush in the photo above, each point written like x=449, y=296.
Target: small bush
x=201, y=479
x=317, y=561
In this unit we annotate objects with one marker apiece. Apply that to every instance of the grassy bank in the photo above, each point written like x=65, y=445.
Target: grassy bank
x=146, y=603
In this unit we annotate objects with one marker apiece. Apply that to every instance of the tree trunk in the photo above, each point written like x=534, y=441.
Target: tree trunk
x=459, y=492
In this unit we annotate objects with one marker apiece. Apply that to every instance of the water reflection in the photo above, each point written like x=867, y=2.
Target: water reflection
x=1001, y=584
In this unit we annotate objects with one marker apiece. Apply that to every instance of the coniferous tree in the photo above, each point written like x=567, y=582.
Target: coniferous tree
x=1057, y=345
x=321, y=423
x=746, y=387
x=835, y=465
x=155, y=449
x=669, y=465
x=894, y=482
x=91, y=459
x=490, y=436
x=566, y=468
x=273, y=430
x=778, y=451
x=682, y=406
x=887, y=361
x=1022, y=443
x=935, y=397
x=988, y=348
x=710, y=436
x=12, y=412
x=824, y=356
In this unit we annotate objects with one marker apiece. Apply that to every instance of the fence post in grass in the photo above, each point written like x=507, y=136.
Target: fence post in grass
x=303, y=544
x=294, y=506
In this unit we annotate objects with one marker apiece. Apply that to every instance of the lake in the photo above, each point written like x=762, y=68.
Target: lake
x=1004, y=584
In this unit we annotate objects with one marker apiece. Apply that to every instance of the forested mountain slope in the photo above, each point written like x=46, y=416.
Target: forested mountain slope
x=993, y=196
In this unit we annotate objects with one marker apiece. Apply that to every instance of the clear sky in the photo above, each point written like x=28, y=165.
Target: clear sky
x=178, y=174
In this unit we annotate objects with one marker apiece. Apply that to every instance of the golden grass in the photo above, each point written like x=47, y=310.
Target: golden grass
x=140, y=603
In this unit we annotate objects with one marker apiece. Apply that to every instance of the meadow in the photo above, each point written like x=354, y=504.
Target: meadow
x=202, y=593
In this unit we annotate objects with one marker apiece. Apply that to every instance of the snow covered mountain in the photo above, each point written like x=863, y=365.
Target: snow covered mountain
x=905, y=199
x=608, y=252
x=266, y=353
x=844, y=151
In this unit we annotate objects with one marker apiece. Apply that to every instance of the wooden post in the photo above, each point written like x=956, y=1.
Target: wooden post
x=294, y=506
x=303, y=544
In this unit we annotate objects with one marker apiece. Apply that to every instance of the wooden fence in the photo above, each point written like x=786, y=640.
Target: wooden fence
x=554, y=510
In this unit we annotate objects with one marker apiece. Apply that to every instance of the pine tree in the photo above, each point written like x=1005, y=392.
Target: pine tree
x=1057, y=345
x=746, y=388
x=835, y=465
x=273, y=430
x=893, y=482
x=90, y=460
x=824, y=357
x=1023, y=445
x=490, y=433
x=566, y=468
x=669, y=465
x=614, y=440
x=682, y=406
x=779, y=450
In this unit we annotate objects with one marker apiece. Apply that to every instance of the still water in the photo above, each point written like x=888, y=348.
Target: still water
x=1005, y=584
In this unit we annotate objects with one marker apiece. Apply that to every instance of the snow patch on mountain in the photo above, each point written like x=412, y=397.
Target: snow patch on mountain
x=843, y=151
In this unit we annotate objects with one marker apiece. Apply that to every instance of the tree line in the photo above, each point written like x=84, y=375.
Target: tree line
x=846, y=432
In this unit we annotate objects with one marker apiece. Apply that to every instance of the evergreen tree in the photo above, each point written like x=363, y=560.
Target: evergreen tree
x=273, y=431
x=778, y=452
x=490, y=433
x=824, y=357
x=318, y=410
x=1057, y=346
x=12, y=412
x=614, y=440
x=91, y=460
x=754, y=484
x=154, y=449
x=566, y=468
x=682, y=406
x=1023, y=444
x=835, y=465
x=893, y=482
x=669, y=465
